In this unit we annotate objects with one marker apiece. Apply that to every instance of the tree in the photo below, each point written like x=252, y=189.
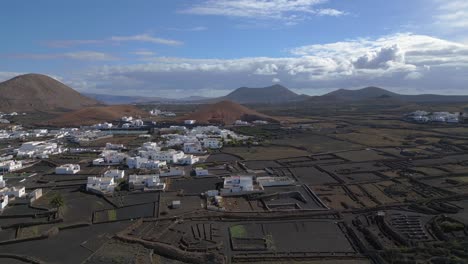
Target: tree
x=57, y=202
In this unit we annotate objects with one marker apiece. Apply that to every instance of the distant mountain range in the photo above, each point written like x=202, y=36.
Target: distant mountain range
x=244, y=95
x=36, y=92
x=343, y=95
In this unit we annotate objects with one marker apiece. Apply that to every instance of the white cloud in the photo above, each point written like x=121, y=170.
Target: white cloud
x=267, y=69
x=114, y=39
x=396, y=60
x=289, y=10
x=275, y=80
x=144, y=53
x=78, y=55
x=146, y=38
x=452, y=15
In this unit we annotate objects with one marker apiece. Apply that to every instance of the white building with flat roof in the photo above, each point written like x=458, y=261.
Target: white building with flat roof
x=190, y=122
x=146, y=182
x=68, y=169
x=239, y=185
x=201, y=172
x=14, y=191
x=38, y=149
x=172, y=172
x=212, y=143
x=193, y=148
x=10, y=165
x=101, y=185
x=116, y=174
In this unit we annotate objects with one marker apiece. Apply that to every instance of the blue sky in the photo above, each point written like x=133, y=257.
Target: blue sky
x=209, y=47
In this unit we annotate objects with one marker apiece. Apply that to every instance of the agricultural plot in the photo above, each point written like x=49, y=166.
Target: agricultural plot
x=125, y=213
x=265, y=152
x=362, y=155
x=194, y=185
x=317, y=143
x=294, y=237
x=291, y=198
x=336, y=197
x=261, y=164
x=312, y=176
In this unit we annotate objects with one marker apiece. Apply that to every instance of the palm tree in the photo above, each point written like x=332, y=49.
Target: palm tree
x=57, y=202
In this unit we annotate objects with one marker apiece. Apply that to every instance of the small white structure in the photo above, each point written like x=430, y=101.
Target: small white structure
x=15, y=191
x=3, y=201
x=126, y=118
x=2, y=182
x=193, y=148
x=201, y=172
x=260, y=122
x=146, y=182
x=241, y=123
x=10, y=165
x=188, y=160
x=116, y=174
x=155, y=112
x=172, y=172
x=237, y=185
x=212, y=143
x=175, y=204
x=110, y=146
x=68, y=169
x=34, y=195
x=100, y=185
x=190, y=122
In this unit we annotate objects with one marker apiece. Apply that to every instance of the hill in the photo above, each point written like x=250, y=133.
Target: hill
x=266, y=95
x=226, y=112
x=96, y=114
x=343, y=95
x=37, y=92
x=361, y=94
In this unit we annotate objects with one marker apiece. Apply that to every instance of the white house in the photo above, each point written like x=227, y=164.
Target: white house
x=15, y=191
x=136, y=162
x=170, y=156
x=2, y=182
x=153, y=164
x=10, y=165
x=201, y=172
x=150, y=146
x=116, y=174
x=193, y=148
x=34, y=195
x=67, y=169
x=37, y=149
x=100, y=185
x=146, y=182
x=126, y=118
x=188, y=160
x=241, y=123
x=212, y=143
x=110, y=146
x=190, y=122
x=172, y=172
x=110, y=157
x=237, y=185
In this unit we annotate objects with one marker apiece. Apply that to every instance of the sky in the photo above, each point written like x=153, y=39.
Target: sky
x=179, y=48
